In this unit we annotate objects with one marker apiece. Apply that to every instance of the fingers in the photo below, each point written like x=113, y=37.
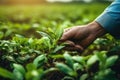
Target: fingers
x=75, y=48
x=69, y=43
x=68, y=33
x=79, y=47
x=87, y=41
x=65, y=36
x=71, y=46
x=70, y=39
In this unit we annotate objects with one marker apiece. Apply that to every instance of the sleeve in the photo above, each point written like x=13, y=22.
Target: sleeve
x=110, y=19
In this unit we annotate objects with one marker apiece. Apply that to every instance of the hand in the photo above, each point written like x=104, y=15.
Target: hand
x=80, y=37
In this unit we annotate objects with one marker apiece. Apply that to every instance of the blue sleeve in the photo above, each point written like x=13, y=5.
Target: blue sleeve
x=110, y=19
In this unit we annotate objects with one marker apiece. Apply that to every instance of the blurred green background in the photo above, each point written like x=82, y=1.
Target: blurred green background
x=20, y=43
x=26, y=16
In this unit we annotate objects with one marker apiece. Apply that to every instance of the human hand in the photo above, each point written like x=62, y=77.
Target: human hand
x=80, y=37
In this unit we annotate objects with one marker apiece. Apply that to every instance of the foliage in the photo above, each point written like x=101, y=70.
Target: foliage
x=29, y=48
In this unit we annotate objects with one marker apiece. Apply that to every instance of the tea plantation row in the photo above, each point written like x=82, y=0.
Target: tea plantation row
x=29, y=48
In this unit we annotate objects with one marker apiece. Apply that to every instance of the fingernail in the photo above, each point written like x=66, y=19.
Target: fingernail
x=79, y=47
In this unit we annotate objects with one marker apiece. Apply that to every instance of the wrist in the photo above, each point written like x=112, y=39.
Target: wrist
x=96, y=29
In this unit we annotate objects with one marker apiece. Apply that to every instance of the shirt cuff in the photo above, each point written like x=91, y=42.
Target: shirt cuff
x=109, y=24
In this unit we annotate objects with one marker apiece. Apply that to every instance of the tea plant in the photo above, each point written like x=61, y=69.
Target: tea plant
x=32, y=71
x=81, y=68
x=75, y=68
x=29, y=48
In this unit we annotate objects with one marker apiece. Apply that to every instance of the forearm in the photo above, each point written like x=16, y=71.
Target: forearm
x=96, y=29
x=110, y=19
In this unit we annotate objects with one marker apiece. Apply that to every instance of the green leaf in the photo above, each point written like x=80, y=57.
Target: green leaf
x=30, y=40
x=57, y=56
x=59, y=32
x=101, y=56
x=5, y=73
x=106, y=74
x=19, y=68
x=58, y=48
x=47, y=42
x=77, y=66
x=111, y=61
x=68, y=59
x=31, y=67
x=35, y=73
x=79, y=59
x=84, y=77
x=18, y=36
x=68, y=78
x=43, y=34
x=32, y=75
x=92, y=60
x=67, y=70
x=10, y=58
x=39, y=60
x=49, y=70
x=18, y=75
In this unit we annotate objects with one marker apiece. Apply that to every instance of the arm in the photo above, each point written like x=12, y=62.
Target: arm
x=80, y=37
x=110, y=19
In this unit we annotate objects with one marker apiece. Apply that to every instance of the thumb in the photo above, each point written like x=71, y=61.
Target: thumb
x=66, y=35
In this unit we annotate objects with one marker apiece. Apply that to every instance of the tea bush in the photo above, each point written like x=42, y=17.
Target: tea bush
x=29, y=48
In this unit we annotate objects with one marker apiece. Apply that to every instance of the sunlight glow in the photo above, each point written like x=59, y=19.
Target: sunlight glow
x=87, y=1
x=24, y=1
x=59, y=0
